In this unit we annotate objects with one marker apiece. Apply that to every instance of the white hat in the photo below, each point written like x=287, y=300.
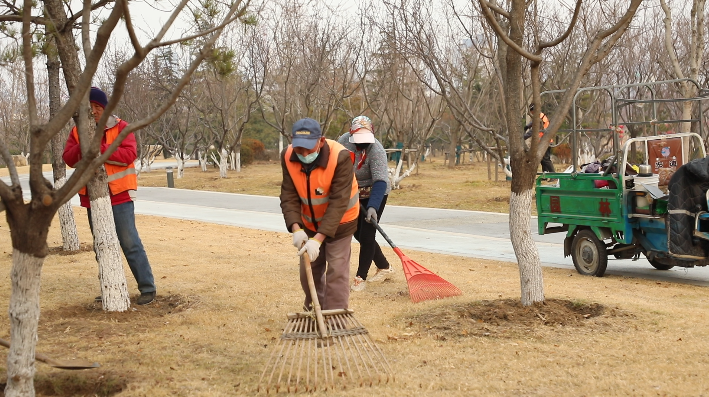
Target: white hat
x=362, y=136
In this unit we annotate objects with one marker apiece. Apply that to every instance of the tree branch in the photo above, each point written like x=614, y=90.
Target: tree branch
x=487, y=12
x=566, y=34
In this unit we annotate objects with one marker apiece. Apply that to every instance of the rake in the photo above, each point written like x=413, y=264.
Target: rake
x=323, y=349
x=423, y=283
x=58, y=363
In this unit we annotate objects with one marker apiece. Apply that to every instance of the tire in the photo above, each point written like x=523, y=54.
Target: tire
x=589, y=254
x=659, y=266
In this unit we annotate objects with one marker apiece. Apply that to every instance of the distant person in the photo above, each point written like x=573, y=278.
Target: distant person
x=123, y=182
x=320, y=207
x=547, y=165
x=372, y=174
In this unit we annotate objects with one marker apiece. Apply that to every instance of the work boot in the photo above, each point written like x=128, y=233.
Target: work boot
x=145, y=298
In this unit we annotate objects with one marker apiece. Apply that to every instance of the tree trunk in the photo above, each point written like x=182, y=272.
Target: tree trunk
x=114, y=289
x=237, y=158
x=67, y=223
x=524, y=166
x=202, y=160
x=530, y=269
x=451, y=151
x=180, y=165
x=24, y=317
x=223, y=163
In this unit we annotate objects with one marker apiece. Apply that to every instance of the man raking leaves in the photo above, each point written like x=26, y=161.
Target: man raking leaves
x=325, y=346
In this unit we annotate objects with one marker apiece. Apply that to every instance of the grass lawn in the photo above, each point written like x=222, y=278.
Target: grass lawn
x=224, y=292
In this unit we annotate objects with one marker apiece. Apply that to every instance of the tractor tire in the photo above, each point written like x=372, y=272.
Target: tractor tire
x=589, y=254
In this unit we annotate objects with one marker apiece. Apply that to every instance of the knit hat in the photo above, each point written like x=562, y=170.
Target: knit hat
x=361, y=130
x=98, y=97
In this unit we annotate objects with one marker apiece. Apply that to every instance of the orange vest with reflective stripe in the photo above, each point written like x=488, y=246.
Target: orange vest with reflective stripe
x=120, y=177
x=314, y=189
x=545, y=124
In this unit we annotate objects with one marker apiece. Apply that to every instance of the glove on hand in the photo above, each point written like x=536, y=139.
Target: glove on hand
x=299, y=238
x=371, y=214
x=312, y=247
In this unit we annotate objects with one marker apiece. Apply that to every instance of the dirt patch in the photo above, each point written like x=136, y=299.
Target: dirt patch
x=78, y=384
x=505, y=317
x=59, y=250
x=81, y=317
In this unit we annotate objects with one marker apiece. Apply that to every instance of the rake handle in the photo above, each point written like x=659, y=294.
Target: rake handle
x=314, y=295
x=379, y=228
x=38, y=356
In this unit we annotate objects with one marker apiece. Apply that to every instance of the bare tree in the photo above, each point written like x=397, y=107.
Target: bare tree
x=694, y=56
x=524, y=163
x=29, y=222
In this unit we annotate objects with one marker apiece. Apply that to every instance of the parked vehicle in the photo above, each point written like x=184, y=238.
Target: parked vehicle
x=650, y=199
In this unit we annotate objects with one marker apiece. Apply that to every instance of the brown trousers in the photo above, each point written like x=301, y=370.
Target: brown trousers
x=331, y=273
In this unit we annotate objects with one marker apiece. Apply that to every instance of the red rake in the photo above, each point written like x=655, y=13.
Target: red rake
x=423, y=283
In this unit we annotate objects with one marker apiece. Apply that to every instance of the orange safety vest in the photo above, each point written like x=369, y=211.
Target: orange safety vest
x=545, y=124
x=121, y=177
x=314, y=189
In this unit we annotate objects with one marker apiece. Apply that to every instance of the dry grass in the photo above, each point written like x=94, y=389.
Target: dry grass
x=223, y=294
x=464, y=187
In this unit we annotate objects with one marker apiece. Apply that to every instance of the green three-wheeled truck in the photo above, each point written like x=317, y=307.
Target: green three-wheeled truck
x=649, y=197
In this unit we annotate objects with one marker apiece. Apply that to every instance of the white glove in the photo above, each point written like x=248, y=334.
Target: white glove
x=371, y=214
x=312, y=247
x=299, y=238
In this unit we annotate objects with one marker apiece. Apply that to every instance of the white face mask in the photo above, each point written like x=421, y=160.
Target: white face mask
x=309, y=158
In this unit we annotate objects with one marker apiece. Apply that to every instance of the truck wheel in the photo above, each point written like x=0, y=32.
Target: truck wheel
x=659, y=266
x=589, y=254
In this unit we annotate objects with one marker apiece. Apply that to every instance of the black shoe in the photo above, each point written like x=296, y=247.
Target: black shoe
x=145, y=298
x=98, y=299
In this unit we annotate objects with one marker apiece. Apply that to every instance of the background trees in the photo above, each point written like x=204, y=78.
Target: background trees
x=428, y=72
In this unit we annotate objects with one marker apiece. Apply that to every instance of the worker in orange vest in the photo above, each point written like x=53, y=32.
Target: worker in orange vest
x=122, y=184
x=547, y=165
x=320, y=205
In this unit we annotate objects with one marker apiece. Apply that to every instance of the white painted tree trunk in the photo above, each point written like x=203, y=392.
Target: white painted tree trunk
x=202, y=160
x=232, y=161
x=395, y=176
x=180, y=165
x=24, y=317
x=530, y=268
x=114, y=289
x=223, y=164
x=67, y=224
x=237, y=160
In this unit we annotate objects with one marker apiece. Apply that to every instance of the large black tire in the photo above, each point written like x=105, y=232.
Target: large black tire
x=589, y=254
x=659, y=266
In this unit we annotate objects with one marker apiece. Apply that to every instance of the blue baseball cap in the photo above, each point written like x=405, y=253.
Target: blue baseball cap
x=306, y=133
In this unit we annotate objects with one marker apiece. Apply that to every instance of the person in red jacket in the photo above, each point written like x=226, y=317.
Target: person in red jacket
x=122, y=183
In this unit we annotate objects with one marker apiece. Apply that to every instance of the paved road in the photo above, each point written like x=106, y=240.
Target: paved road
x=454, y=232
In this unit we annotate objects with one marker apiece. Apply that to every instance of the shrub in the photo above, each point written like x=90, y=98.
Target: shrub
x=258, y=150
x=247, y=154
x=562, y=152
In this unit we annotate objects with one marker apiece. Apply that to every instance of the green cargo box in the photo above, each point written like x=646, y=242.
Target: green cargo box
x=575, y=200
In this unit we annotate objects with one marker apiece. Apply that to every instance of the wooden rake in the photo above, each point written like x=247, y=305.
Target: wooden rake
x=57, y=363
x=423, y=284
x=323, y=349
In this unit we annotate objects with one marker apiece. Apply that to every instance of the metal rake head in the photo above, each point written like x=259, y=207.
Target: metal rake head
x=303, y=360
